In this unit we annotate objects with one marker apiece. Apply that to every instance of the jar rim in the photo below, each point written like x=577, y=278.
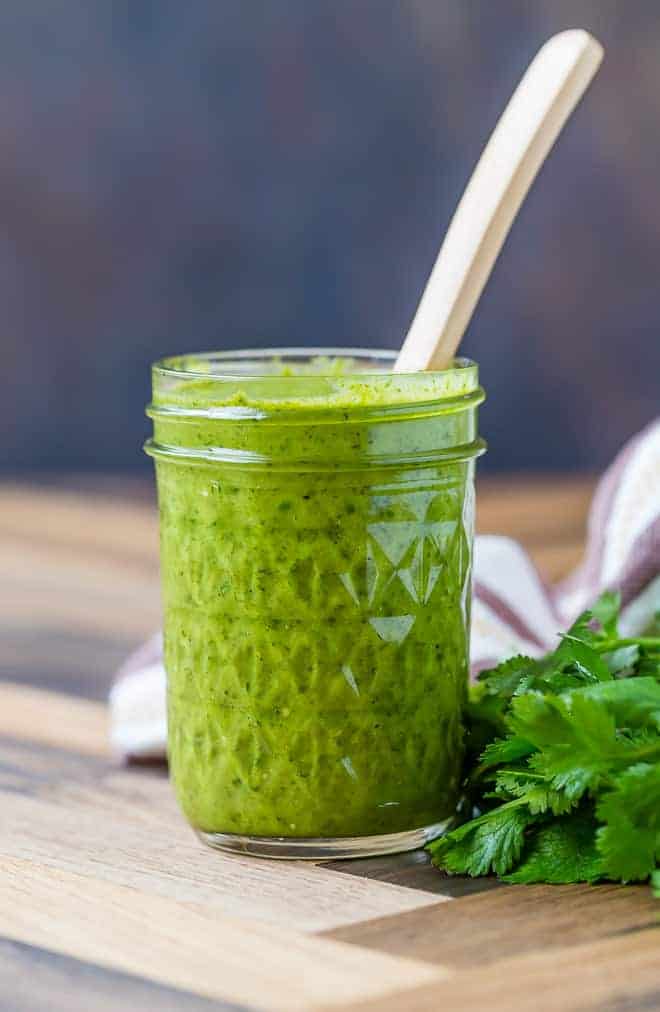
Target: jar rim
x=316, y=378
x=239, y=363
x=326, y=387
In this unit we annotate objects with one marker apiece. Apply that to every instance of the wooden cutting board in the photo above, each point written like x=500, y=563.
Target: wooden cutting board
x=108, y=901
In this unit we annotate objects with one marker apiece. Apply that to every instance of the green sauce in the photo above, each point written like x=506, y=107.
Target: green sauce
x=316, y=588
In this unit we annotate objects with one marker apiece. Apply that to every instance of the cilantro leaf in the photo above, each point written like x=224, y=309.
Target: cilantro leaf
x=622, y=662
x=535, y=790
x=563, y=850
x=586, y=627
x=563, y=757
x=492, y=842
x=633, y=702
x=600, y=622
x=606, y=612
x=576, y=740
x=505, y=750
x=629, y=841
x=503, y=680
x=584, y=661
x=648, y=664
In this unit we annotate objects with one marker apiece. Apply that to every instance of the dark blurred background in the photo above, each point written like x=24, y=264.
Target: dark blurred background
x=185, y=176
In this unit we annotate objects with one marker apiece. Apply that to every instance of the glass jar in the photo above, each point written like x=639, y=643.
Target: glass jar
x=316, y=519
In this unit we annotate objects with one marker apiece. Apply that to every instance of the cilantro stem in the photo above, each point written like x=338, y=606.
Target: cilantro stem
x=650, y=642
x=480, y=819
x=526, y=773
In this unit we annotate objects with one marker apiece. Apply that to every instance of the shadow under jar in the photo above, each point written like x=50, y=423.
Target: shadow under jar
x=316, y=519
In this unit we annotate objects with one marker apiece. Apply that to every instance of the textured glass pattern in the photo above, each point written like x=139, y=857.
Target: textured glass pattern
x=316, y=645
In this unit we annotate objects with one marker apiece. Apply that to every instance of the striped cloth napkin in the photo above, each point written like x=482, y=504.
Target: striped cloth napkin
x=514, y=610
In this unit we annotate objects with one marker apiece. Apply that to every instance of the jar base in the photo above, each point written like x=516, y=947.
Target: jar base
x=321, y=849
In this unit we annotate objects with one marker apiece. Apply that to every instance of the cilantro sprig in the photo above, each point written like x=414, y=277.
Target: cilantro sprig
x=562, y=776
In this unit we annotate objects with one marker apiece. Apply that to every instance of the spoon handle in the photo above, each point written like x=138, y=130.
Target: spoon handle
x=546, y=96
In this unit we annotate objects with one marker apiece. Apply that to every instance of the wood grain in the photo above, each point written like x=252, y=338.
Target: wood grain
x=34, y=979
x=619, y=974
x=50, y=718
x=507, y=922
x=185, y=945
x=79, y=585
x=415, y=871
x=123, y=527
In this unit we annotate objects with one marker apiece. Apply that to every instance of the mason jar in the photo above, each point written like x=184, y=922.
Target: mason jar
x=316, y=527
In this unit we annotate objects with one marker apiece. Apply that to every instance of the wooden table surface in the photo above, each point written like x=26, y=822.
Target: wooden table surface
x=107, y=900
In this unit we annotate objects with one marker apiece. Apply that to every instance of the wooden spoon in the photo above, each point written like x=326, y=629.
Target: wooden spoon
x=548, y=93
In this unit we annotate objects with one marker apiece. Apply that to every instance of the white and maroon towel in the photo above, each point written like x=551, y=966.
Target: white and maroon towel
x=514, y=611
